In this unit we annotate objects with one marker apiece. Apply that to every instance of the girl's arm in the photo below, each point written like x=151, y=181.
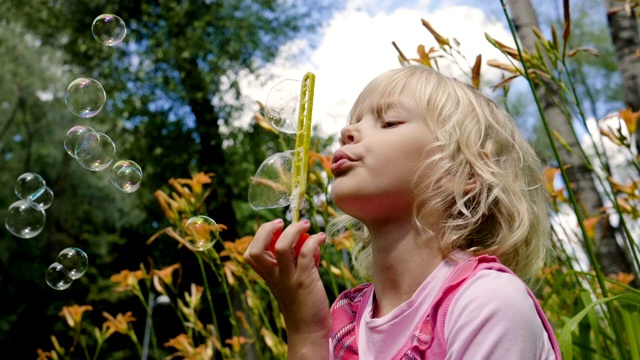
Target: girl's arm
x=296, y=285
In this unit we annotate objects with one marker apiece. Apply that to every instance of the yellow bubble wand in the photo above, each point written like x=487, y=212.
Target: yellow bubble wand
x=303, y=143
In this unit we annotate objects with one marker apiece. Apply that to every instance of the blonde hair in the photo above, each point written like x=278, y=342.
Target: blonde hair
x=505, y=212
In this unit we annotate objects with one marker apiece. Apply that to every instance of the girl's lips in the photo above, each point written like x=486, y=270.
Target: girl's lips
x=340, y=166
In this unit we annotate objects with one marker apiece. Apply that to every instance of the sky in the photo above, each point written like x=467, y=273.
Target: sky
x=356, y=45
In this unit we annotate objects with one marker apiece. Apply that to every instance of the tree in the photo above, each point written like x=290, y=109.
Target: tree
x=173, y=97
x=623, y=28
x=612, y=258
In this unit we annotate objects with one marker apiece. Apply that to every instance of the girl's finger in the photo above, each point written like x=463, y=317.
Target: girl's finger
x=284, y=248
x=310, y=252
x=257, y=253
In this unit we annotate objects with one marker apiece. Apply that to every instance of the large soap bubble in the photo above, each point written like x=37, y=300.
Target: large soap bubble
x=28, y=184
x=96, y=152
x=57, y=277
x=108, y=29
x=202, y=232
x=85, y=97
x=75, y=262
x=126, y=176
x=24, y=220
x=283, y=104
x=271, y=186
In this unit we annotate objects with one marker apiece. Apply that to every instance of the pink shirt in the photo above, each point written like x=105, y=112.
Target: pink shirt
x=491, y=317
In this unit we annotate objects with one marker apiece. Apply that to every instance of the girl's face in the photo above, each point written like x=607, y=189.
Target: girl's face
x=378, y=160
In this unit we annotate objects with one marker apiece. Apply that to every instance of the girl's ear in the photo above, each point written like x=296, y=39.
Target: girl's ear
x=472, y=182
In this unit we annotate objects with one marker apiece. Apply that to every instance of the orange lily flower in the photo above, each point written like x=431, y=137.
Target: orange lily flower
x=166, y=275
x=73, y=314
x=630, y=119
x=118, y=324
x=237, y=342
x=237, y=248
x=127, y=280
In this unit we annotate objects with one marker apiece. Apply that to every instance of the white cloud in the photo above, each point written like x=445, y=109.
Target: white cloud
x=357, y=45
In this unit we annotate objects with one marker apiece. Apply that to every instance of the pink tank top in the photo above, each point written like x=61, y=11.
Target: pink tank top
x=427, y=339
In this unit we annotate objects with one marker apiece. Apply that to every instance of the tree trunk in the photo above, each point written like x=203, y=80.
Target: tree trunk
x=623, y=28
x=612, y=258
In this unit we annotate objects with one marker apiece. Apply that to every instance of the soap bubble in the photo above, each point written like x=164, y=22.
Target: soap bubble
x=27, y=184
x=282, y=106
x=85, y=97
x=202, y=232
x=24, y=220
x=271, y=186
x=96, y=152
x=42, y=198
x=57, y=277
x=126, y=175
x=108, y=29
x=75, y=262
x=76, y=137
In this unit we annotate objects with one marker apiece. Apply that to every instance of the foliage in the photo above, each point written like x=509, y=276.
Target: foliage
x=256, y=325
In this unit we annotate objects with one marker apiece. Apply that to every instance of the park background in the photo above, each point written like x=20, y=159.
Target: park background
x=183, y=90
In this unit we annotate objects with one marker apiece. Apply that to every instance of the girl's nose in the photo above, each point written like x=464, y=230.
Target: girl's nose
x=348, y=134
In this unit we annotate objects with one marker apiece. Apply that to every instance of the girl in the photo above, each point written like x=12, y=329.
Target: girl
x=438, y=184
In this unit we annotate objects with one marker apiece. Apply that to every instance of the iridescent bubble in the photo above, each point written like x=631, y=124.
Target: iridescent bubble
x=85, y=97
x=75, y=262
x=76, y=137
x=96, y=152
x=271, y=186
x=126, y=175
x=282, y=106
x=27, y=184
x=108, y=29
x=202, y=232
x=42, y=198
x=23, y=220
x=57, y=277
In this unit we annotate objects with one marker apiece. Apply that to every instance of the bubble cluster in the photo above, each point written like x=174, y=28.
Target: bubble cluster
x=70, y=265
x=85, y=97
x=201, y=232
x=95, y=151
x=282, y=105
x=108, y=29
x=271, y=186
x=26, y=217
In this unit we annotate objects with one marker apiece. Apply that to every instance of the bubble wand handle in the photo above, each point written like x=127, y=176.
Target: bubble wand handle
x=303, y=143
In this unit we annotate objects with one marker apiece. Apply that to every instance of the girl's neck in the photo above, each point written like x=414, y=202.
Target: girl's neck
x=402, y=260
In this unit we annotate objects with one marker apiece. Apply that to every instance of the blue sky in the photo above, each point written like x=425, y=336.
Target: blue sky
x=356, y=45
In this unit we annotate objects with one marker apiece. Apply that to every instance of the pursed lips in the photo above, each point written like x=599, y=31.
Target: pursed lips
x=341, y=160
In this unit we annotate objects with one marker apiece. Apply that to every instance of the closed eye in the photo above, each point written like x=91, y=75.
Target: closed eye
x=389, y=124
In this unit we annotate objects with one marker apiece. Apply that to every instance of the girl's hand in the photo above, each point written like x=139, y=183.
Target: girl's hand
x=295, y=282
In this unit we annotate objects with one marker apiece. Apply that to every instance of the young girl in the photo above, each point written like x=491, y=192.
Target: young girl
x=438, y=184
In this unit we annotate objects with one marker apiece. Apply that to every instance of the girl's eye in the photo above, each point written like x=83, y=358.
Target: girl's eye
x=389, y=124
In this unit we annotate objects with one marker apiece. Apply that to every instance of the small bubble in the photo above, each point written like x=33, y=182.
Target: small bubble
x=57, y=277
x=126, y=175
x=85, y=97
x=202, y=232
x=76, y=137
x=108, y=29
x=24, y=220
x=96, y=152
x=75, y=262
x=27, y=184
x=42, y=198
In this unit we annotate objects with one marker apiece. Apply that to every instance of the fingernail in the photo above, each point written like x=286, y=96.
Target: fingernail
x=305, y=221
x=278, y=221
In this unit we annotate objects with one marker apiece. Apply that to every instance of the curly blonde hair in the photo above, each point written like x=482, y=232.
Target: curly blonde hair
x=505, y=212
